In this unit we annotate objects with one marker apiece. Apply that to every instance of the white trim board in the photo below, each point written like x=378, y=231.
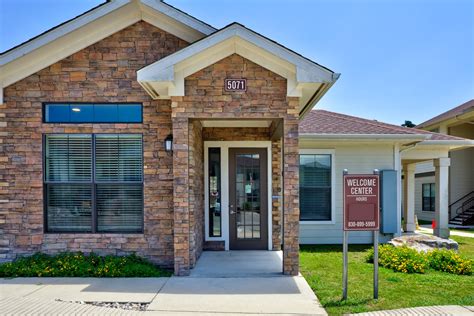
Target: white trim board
x=224, y=146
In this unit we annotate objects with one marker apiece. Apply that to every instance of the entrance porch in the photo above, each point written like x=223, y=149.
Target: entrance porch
x=441, y=163
x=238, y=264
x=232, y=179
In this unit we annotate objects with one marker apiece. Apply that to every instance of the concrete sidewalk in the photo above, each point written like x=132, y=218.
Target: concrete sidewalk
x=166, y=296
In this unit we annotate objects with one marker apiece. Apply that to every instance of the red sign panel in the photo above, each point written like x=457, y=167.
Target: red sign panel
x=361, y=202
x=235, y=85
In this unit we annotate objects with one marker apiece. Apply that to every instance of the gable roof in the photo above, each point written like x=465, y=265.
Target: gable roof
x=325, y=123
x=306, y=79
x=459, y=110
x=90, y=27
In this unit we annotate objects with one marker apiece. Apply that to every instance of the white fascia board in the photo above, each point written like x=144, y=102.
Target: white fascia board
x=92, y=27
x=65, y=46
x=62, y=30
x=465, y=143
x=179, y=16
x=363, y=137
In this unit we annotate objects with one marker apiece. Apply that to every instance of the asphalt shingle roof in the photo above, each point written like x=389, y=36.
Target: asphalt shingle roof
x=326, y=122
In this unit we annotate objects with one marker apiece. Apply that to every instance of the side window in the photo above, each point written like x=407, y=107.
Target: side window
x=316, y=187
x=428, y=199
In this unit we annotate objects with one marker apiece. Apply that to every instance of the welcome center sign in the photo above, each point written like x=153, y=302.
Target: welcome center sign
x=361, y=202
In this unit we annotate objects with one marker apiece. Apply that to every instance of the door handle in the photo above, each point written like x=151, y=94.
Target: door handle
x=231, y=208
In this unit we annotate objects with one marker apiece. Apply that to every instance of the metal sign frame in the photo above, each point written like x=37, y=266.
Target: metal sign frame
x=345, y=243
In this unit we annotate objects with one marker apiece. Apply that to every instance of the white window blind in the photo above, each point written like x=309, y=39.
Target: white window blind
x=315, y=187
x=94, y=183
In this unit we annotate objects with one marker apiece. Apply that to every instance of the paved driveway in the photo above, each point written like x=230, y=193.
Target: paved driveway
x=222, y=283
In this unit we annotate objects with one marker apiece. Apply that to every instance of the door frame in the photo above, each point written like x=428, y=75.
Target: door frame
x=224, y=146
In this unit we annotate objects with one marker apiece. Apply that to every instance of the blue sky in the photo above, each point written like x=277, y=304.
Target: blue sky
x=399, y=59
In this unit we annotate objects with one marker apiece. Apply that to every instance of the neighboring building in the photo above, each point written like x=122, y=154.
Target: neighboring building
x=138, y=128
x=459, y=122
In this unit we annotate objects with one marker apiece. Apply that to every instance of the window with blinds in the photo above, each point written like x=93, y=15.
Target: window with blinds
x=93, y=183
x=315, y=187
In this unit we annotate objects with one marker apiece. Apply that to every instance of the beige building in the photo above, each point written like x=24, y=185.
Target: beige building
x=459, y=122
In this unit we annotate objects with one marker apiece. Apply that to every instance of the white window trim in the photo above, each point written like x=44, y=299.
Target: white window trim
x=331, y=152
x=224, y=146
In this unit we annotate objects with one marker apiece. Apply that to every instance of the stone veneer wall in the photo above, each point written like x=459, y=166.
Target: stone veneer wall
x=196, y=189
x=265, y=98
x=103, y=72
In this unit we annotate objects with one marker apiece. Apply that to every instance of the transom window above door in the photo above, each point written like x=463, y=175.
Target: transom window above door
x=93, y=113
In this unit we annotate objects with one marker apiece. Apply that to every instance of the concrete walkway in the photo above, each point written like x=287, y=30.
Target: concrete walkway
x=226, y=283
x=447, y=310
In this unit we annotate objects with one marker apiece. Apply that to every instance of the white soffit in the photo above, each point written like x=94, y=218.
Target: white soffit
x=165, y=78
x=91, y=27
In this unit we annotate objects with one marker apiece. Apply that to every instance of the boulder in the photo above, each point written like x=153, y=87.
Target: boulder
x=422, y=242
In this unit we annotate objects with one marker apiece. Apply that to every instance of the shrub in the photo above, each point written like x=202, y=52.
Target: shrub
x=408, y=260
x=400, y=259
x=449, y=261
x=79, y=265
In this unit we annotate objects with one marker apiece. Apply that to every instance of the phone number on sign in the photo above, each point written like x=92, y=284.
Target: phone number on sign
x=361, y=224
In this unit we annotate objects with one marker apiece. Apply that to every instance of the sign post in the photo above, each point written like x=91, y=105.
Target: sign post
x=361, y=213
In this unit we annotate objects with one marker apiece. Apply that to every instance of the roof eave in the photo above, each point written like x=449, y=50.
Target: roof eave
x=318, y=95
x=363, y=137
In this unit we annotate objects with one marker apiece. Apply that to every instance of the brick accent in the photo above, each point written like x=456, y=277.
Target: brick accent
x=265, y=98
x=103, y=72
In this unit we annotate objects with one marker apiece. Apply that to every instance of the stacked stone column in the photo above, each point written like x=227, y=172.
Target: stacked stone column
x=291, y=211
x=181, y=195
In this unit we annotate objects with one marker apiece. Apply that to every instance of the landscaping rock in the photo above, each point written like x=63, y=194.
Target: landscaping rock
x=132, y=306
x=425, y=243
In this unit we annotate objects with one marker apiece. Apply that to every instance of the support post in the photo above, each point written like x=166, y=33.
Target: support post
x=345, y=264
x=442, y=197
x=376, y=264
x=291, y=210
x=181, y=196
x=376, y=252
x=409, y=225
x=345, y=259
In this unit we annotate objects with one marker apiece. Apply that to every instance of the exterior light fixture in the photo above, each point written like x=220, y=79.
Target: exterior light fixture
x=169, y=143
x=76, y=109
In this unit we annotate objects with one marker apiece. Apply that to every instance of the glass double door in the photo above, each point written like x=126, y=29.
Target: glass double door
x=248, y=199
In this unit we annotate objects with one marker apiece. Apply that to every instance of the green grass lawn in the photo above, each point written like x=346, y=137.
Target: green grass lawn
x=322, y=267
